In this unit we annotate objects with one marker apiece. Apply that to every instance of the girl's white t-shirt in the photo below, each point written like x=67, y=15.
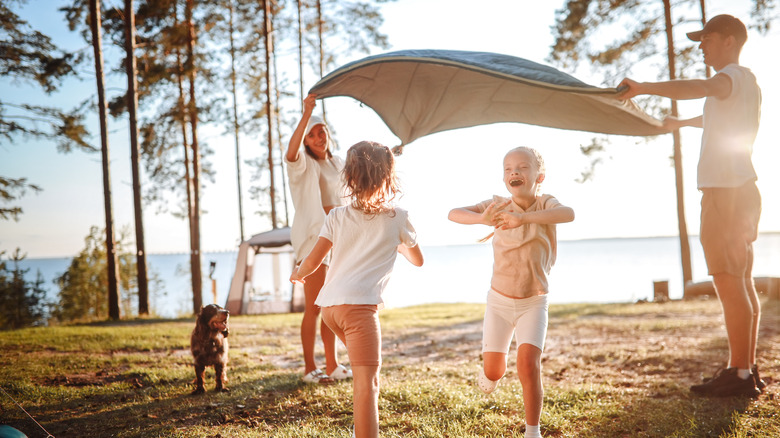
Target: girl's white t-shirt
x=364, y=252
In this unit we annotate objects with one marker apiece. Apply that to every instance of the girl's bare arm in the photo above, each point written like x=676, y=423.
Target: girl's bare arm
x=294, y=147
x=413, y=254
x=470, y=215
x=312, y=261
x=557, y=215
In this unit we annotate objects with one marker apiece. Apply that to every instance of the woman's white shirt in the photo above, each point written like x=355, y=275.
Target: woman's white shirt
x=306, y=176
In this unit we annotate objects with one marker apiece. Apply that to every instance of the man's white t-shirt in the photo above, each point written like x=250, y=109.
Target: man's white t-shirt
x=730, y=127
x=363, y=255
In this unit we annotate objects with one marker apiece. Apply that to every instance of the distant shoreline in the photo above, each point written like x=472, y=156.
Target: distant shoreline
x=593, y=239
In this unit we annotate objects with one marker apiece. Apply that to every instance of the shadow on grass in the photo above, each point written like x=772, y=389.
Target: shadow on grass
x=674, y=416
x=431, y=342
x=580, y=310
x=136, y=322
x=263, y=404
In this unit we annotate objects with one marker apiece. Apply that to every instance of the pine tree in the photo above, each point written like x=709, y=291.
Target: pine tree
x=82, y=286
x=22, y=303
x=649, y=42
x=29, y=56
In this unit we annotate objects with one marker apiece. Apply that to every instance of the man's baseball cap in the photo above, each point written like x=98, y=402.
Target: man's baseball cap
x=726, y=25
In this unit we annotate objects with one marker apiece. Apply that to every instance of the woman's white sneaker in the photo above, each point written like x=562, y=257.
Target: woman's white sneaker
x=341, y=373
x=316, y=376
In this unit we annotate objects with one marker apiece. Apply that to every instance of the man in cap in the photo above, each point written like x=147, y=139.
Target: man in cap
x=731, y=203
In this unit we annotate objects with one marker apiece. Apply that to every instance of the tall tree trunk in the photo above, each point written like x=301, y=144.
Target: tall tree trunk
x=707, y=71
x=685, y=250
x=111, y=265
x=187, y=161
x=235, y=124
x=300, y=52
x=132, y=106
x=182, y=109
x=195, y=256
x=269, y=113
x=277, y=116
x=322, y=50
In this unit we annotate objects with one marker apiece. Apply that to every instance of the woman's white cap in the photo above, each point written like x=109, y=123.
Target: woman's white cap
x=314, y=121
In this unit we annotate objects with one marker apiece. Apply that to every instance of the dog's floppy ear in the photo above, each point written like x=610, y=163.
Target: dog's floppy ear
x=199, y=323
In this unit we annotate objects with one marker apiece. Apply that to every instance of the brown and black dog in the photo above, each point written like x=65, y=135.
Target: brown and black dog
x=209, y=345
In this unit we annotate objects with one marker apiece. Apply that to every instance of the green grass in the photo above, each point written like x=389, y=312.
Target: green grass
x=611, y=370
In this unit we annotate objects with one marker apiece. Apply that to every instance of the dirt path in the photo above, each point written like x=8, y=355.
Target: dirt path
x=677, y=343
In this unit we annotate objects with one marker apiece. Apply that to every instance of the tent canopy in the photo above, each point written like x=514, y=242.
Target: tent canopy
x=420, y=92
x=274, y=243
x=275, y=238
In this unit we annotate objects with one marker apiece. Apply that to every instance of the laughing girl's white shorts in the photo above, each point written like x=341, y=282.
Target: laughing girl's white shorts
x=526, y=317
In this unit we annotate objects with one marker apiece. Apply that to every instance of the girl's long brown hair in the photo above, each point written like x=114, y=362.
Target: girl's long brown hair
x=369, y=174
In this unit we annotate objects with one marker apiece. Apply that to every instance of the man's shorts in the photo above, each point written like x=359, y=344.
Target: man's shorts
x=357, y=325
x=729, y=226
x=525, y=317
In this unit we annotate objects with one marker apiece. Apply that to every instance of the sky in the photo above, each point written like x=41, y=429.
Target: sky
x=633, y=193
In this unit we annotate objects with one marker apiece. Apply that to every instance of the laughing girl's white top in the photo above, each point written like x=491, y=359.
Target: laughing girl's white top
x=363, y=255
x=523, y=256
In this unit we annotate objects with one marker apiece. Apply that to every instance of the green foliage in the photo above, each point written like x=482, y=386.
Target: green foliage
x=637, y=37
x=27, y=55
x=164, y=69
x=579, y=27
x=83, y=292
x=11, y=190
x=637, y=40
x=762, y=14
x=22, y=303
x=594, y=151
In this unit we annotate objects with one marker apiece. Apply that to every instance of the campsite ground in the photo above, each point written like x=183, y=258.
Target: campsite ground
x=615, y=370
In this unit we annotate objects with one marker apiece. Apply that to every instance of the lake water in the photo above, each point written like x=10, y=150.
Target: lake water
x=587, y=271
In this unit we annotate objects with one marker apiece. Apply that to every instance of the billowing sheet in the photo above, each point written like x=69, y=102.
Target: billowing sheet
x=420, y=92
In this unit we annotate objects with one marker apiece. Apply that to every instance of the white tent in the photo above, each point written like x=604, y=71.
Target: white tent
x=246, y=296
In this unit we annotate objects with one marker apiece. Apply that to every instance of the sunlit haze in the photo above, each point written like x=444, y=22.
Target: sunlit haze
x=633, y=193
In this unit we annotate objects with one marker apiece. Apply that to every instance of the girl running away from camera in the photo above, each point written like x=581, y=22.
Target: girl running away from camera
x=363, y=238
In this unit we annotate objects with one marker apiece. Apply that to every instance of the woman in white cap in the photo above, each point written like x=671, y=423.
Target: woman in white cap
x=316, y=186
